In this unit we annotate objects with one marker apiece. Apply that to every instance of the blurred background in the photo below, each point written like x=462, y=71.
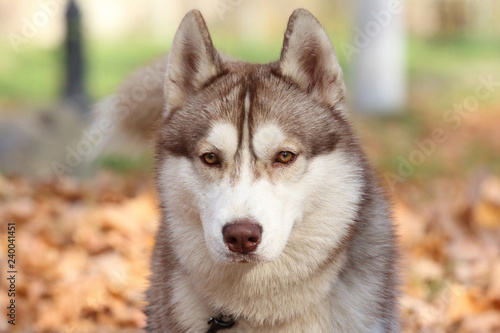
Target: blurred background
x=423, y=78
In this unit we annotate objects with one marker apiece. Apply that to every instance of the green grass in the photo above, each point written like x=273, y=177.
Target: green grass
x=31, y=76
x=109, y=64
x=447, y=68
x=122, y=163
x=448, y=56
x=35, y=75
x=257, y=51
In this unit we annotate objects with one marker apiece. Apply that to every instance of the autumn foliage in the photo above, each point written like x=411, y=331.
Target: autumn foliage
x=83, y=251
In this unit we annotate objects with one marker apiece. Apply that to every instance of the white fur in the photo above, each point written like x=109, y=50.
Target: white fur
x=268, y=140
x=322, y=201
x=224, y=137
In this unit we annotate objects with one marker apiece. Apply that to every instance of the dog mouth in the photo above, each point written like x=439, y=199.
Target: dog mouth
x=244, y=259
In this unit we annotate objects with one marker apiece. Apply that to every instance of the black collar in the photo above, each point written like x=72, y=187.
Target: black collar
x=220, y=323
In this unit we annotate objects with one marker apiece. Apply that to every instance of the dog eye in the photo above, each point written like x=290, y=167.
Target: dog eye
x=210, y=159
x=285, y=157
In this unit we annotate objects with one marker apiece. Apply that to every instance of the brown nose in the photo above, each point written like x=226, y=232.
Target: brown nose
x=242, y=236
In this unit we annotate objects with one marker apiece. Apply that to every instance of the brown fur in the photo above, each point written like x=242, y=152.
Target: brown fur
x=303, y=95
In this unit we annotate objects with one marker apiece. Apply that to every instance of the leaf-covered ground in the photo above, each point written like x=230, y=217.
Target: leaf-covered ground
x=83, y=248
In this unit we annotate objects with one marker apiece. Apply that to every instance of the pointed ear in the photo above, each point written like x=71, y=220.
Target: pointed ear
x=308, y=58
x=192, y=61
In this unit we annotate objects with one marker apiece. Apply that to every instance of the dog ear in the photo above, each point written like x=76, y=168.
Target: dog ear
x=192, y=61
x=308, y=58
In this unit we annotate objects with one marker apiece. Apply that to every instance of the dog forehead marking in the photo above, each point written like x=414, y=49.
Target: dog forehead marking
x=245, y=161
x=267, y=139
x=224, y=136
x=245, y=122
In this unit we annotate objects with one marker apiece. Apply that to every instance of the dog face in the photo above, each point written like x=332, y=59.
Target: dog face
x=247, y=151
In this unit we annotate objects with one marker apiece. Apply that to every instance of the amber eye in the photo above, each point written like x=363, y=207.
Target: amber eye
x=285, y=157
x=210, y=159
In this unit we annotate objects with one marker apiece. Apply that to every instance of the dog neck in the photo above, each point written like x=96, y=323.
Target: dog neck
x=265, y=296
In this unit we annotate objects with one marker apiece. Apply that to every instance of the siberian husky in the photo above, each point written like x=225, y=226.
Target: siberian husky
x=272, y=220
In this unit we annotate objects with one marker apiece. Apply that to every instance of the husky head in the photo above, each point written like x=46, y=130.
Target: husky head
x=248, y=153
